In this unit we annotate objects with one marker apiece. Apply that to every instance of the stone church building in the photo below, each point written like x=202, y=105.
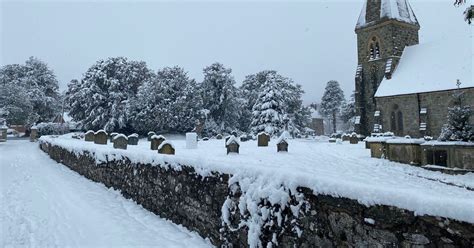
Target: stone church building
x=403, y=86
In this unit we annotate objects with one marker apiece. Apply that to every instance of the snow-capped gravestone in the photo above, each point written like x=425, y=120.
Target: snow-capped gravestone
x=111, y=136
x=332, y=140
x=120, y=141
x=150, y=134
x=263, y=139
x=282, y=144
x=33, y=134
x=191, y=140
x=3, y=133
x=155, y=141
x=89, y=136
x=133, y=139
x=232, y=144
x=166, y=148
x=346, y=137
x=219, y=136
x=100, y=137
x=354, y=139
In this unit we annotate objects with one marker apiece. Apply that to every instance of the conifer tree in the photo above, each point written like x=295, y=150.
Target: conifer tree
x=332, y=101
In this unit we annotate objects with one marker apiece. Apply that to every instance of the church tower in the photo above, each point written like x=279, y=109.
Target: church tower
x=384, y=29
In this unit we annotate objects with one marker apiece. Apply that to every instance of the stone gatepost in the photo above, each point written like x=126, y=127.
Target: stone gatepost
x=354, y=139
x=263, y=139
x=166, y=148
x=150, y=134
x=133, y=139
x=89, y=136
x=33, y=134
x=120, y=141
x=3, y=133
x=155, y=141
x=111, y=136
x=232, y=144
x=100, y=137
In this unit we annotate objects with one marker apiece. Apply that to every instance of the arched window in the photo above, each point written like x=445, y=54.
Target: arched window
x=400, y=121
x=374, y=48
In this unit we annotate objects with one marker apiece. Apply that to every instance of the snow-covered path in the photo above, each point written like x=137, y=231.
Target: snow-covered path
x=44, y=204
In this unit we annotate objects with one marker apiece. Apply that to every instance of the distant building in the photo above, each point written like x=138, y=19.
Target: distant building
x=409, y=94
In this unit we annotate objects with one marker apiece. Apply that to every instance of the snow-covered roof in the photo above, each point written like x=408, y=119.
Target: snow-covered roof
x=431, y=67
x=399, y=10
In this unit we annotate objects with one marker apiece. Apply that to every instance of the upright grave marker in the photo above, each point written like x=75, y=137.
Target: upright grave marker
x=282, y=144
x=166, y=148
x=232, y=144
x=100, y=137
x=120, y=141
x=191, y=140
x=33, y=134
x=354, y=139
x=89, y=136
x=133, y=139
x=156, y=141
x=263, y=139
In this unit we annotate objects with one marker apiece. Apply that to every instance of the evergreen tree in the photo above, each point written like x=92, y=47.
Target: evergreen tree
x=100, y=100
x=268, y=113
x=332, y=101
x=458, y=127
x=219, y=97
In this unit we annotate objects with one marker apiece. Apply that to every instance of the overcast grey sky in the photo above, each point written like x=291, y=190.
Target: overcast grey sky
x=311, y=42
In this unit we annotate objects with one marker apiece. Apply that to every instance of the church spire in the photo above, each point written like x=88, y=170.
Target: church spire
x=377, y=11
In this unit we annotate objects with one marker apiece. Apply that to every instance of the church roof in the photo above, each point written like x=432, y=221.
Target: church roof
x=432, y=67
x=399, y=10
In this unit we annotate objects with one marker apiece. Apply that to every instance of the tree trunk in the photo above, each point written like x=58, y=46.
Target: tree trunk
x=334, y=121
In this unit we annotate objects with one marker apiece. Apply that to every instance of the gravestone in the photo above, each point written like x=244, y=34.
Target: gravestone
x=100, y=137
x=263, y=139
x=332, y=140
x=120, y=141
x=111, y=136
x=3, y=133
x=282, y=144
x=205, y=138
x=89, y=136
x=191, y=141
x=346, y=137
x=166, y=148
x=354, y=139
x=156, y=141
x=133, y=139
x=150, y=134
x=33, y=134
x=232, y=144
x=219, y=136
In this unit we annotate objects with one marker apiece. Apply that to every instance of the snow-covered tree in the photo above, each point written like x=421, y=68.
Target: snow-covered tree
x=169, y=102
x=101, y=98
x=219, y=97
x=458, y=127
x=295, y=115
x=332, y=101
x=268, y=110
x=34, y=92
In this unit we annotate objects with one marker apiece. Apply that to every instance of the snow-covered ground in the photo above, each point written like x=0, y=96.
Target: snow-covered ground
x=336, y=169
x=45, y=204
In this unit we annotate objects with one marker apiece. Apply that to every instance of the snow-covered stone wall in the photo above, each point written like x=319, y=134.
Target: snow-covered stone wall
x=238, y=212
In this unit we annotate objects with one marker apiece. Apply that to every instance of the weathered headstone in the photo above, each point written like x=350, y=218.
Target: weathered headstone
x=346, y=137
x=89, y=136
x=232, y=144
x=166, y=148
x=111, y=136
x=191, y=140
x=354, y=139
x=282, y=144
x=219, y=136
x=156, y=141
x=100, y=137
x=150, y=134
x=3, y=133
x=120, y=141
x=263, y=139
x=133, y=139
x=205, y=138
x=33, y=134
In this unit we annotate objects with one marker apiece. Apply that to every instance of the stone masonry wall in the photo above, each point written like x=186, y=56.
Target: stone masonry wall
x=308, y=220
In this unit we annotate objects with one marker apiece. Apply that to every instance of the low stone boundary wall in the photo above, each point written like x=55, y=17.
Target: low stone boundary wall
x=213, y=206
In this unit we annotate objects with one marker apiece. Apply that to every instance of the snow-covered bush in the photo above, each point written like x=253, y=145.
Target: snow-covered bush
x=458, y=127
x=50, y=128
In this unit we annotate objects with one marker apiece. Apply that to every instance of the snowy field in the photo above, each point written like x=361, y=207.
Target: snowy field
x=336, y=169
x=45, y=204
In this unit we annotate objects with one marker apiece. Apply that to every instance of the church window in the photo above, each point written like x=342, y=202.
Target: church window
x=400, y=121
x=374, y=48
